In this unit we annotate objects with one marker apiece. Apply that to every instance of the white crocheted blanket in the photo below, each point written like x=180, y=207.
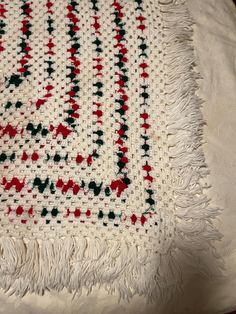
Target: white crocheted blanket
x=100, y=148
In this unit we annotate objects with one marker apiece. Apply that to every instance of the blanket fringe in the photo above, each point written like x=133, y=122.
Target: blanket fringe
x=192, y=246
x=79, y=263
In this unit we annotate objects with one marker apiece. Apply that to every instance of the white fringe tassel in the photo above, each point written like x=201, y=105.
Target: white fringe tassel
x=117, y=265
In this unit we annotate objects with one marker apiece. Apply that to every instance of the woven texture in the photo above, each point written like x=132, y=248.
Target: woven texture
x=100, y=146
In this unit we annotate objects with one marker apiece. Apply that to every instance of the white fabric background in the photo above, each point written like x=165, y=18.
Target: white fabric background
x=215, y=44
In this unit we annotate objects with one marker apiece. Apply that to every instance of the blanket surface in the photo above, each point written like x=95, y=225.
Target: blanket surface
x=103, y=175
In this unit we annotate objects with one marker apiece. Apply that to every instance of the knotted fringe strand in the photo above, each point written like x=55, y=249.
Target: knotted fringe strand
x=195, y=232
x=78, y=263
